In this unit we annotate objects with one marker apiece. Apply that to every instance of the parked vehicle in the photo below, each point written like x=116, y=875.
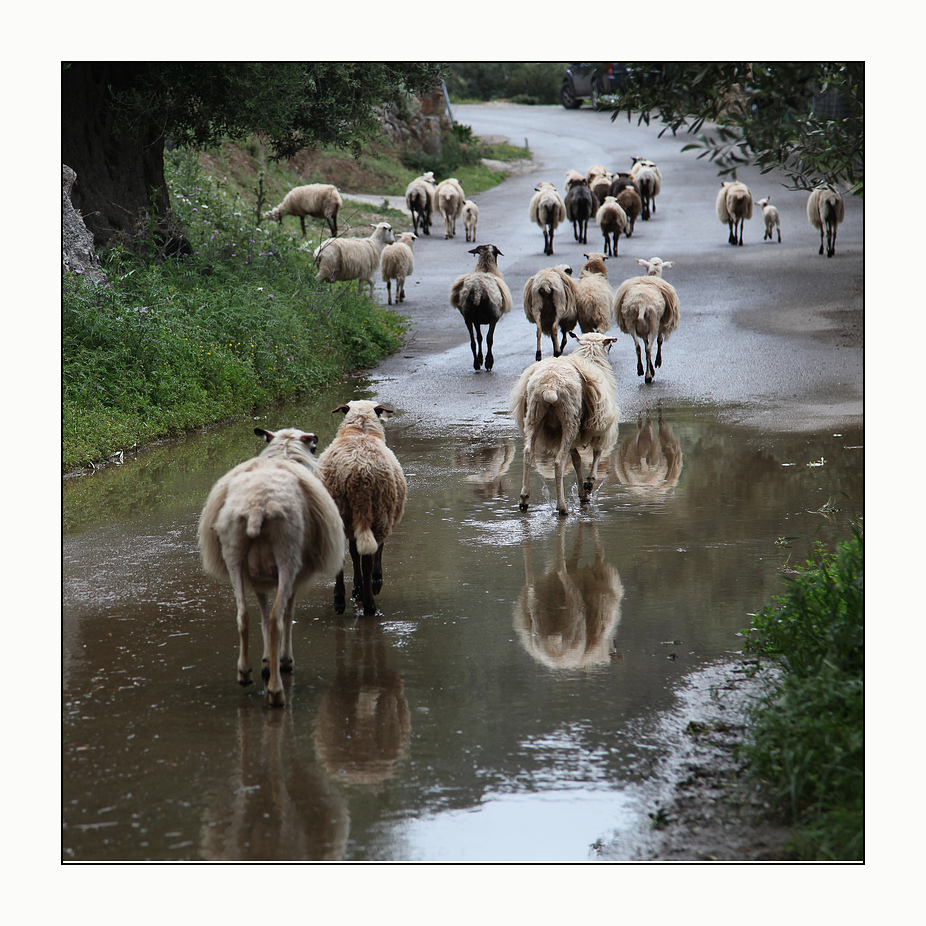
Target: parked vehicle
x=591, y=82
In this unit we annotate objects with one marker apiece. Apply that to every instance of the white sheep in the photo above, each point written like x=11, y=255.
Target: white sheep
x=550, y=304
x=419, y=197
x=448, y=200
x=367, y=483
x=318, y=200
x=353, y=258
x=655, y=265
x=547, y=209
x=771, y=217
x=268, y=524
x=482, y=297
x=398, y=263
x=734, y=206
x=594, y=172
x=612, y=220
x=563, y=403
x=647, y=307
x=470, y=219
x=648, y=179
x=593, y=294
x=826, y=210
x=581, y=205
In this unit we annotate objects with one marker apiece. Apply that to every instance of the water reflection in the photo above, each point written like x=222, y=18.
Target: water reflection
x=487, y=459
x=567, y=617
x=648, y=462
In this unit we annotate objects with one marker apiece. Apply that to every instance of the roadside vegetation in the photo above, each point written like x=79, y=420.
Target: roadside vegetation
x=805, y=740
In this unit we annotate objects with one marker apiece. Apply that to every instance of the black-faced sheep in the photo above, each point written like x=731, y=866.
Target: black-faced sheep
x=550, y=304
x=647, y=307
x=771, y=217
x=826, y=210
x=547, y=209
x=612, y=220
x=419, y=197
x=318, y=200
x=368, y=486
x=594, y=295
x=649, y=183
x=448, y=200
x=734, y=206
x=482, y=297
x=563, y=403
x=353, y=258
x=398, y=263
x=268, y=524
x=581, y=205
x=470, y=220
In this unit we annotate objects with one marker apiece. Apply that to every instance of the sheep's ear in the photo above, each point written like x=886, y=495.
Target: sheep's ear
x=641, y=261
x=572, y=334
x=667, y=264
x=383, y=412
x=266, y=435
x=497, y=252
x=310, y=440
x=343, y=409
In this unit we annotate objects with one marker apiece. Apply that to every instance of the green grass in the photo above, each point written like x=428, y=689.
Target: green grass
x=805, y=746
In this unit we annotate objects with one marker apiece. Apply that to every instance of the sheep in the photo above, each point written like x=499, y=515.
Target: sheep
x=629, y=200
x=353, y=258
x=647, y=307
x=564, y=403
x=655, y=265
x=419, y=196
x=771, y=217
x=593, y=295
x=547, y=209
x=470, y=219
x=594, y=172
x=581, y=205
x=550, y=304
x=734, y=206
x=825, y=210
x=368, y=486
x=482, y=298
x=267, y=524
x=649, y=182
x=612, y=220
x=398, y=263
x=601, y=187
x=448, y=199
x=318, y=200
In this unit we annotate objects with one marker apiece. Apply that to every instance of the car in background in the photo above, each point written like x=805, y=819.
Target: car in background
x=590, y=82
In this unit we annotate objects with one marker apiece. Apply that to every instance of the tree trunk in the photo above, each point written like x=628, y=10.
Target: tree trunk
x=120, y=173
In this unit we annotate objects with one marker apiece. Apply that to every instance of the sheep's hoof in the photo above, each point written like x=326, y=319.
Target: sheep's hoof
x=522, y=505
x=286, y=665
x=265, y=673
x=538, y=356
x=244, y=679
x=276, y=698
x=563, y=512
x=588, y=485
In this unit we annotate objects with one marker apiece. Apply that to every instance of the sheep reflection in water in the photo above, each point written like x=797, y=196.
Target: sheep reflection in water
x=488, y=460
x=649, y=463
x=363, y=727
x=567, y=618
x=275, y=806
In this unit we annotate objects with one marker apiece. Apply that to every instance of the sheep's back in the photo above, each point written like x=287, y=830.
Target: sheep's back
x=398, y=260
x=481, y=292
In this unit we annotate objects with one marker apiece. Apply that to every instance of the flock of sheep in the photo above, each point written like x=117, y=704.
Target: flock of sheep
x=280, y=520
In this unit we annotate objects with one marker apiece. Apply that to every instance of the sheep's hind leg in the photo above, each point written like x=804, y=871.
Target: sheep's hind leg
x=526, y=484
x=490, y=337
x=559, y=464
x=584, y=486
x=340, y=598
x=366, y=594
x=378, y=570
x=274, y=631
x=659, y=341
x=477, y=355
x=636, y=344
x=286, y=652
x=244, y=661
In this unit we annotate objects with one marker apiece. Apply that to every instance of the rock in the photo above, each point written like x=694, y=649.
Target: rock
x=78, y=254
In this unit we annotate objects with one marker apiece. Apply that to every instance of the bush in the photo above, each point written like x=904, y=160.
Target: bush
x=458, y=147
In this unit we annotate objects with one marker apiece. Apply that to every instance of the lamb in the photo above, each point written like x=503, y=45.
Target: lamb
x=647, y=307
x=593, y=295
x=612, y=220
x=448, y=199
x=318, y=200
x=826, y=210
x=649, y=182
x=655, y=265
x=268, y=524
x=398, y=263
x=470, y=219
x=550, y=304
x=419, y=196
x=581, y=205
x=734, y=206
x=353, y=258
x=564, y=403
x=482, y=298
x=772, y=219
x=367, y=483
x=547, y=209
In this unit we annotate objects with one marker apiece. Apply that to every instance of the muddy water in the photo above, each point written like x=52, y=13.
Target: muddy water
x=506, y=704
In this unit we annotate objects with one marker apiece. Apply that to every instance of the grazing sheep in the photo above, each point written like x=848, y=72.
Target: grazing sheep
x=550, y=304
x=368, y=486
x=647, y=308
x=270, y=524
x=734, y=206
x=564, y=403
x=649, y=182
x=655, y=265
x=594, y=295
x=826, y=209
x=419, y=196
x=353, y=258
x=581, y=205
x=629, y=200
x=612, y=220
x=771, y=217
x=398, y=263
x=547, y=209
x=482, y=298
x=448, y=199
x=319, y=200
x=470, y=219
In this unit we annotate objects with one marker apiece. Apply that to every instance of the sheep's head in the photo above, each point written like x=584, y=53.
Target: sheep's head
x=383, y=231
x=655, y=265
x=543, y=185
x=289, y=443
x=274, y=213
x=594, y=341
x=764, y=202
x=486, y=253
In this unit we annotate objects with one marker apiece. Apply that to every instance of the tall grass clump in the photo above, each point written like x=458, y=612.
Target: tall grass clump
x=172, y=345
x=806, y=742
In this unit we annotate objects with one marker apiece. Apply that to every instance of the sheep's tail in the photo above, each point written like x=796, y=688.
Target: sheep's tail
x=550, y=396
x=255, y=523
x=366, y=542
